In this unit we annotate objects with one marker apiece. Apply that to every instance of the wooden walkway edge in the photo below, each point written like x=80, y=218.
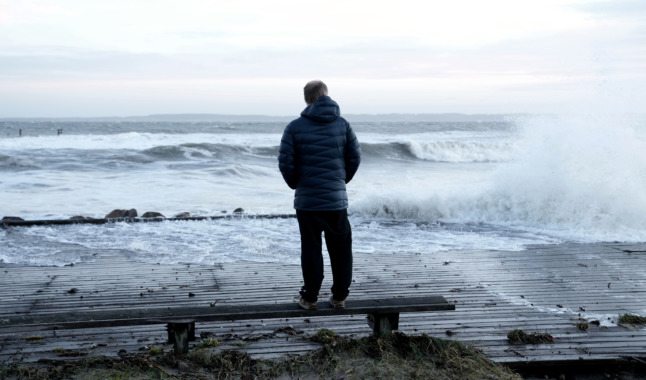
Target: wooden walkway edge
x=553, y=289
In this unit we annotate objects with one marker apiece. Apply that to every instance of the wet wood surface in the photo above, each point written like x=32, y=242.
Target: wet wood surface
x=73, y=319
x=554, y=289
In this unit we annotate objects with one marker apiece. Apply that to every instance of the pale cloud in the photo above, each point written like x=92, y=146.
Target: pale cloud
x=167, y=26
x=222, y=56
x=24, y=12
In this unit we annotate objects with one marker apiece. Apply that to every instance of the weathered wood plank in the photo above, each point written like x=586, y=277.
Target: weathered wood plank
x=141, y=316
x=542, y=289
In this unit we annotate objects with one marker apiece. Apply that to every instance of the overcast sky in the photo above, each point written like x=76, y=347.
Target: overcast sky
x=62, y=58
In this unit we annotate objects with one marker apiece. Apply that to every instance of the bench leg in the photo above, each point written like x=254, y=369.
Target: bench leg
x=383, y=324
x=191, y=331
x=179, y=334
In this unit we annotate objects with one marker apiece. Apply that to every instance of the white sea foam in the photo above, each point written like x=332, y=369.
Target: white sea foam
x=550, y=179
x=575, y=177
x=134, y=141
x=229, y=240
x=462, y=151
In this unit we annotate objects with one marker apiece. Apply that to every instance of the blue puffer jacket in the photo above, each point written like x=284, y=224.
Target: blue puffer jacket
x=319, y=154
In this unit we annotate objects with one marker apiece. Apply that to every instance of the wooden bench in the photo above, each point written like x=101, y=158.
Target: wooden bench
x=383, y=316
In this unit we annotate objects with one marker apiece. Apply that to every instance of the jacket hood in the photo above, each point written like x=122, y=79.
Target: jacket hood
x=325, y=110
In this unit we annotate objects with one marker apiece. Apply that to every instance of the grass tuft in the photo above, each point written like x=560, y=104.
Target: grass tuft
x=155, y=351
x=398, y=356
x=209, y=342
x=520, y=336
x=631, y=319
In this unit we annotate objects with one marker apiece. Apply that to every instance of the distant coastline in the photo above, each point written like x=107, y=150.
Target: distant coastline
x=391, y=117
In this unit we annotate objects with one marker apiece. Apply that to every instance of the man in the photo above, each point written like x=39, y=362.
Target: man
x=319, y=154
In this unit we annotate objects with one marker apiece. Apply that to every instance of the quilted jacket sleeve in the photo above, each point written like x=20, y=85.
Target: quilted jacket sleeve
x=287, y=157
x=352, y=155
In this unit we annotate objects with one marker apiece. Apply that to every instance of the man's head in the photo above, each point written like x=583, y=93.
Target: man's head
x=313, y=90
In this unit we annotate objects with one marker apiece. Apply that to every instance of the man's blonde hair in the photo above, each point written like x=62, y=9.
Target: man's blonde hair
x=313, y=90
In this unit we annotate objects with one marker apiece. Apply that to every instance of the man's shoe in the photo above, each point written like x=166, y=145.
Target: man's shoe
x=337, y=304
x=307, y=305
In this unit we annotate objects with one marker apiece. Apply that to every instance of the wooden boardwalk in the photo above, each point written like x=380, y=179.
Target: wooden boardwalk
x=546, y=289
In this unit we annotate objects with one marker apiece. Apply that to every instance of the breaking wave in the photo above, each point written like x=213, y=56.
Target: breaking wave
x=576, y=177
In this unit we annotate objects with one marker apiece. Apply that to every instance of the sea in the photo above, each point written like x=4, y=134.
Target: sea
x=427, y=183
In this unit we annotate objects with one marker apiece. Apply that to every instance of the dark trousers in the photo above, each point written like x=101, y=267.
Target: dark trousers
x=338, y=240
